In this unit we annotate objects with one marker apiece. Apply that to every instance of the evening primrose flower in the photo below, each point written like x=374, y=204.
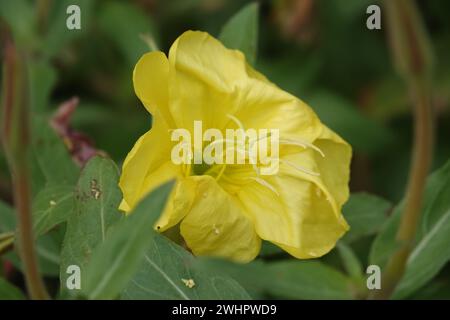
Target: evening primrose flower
x=227, y=210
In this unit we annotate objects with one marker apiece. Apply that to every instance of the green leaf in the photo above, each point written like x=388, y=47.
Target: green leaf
x=427, y=258
x=116, y=260
x=251, y=276
x=241, y=32
x=9, y=291
x=165, y=269
x=431, y=252
x=365, y=214
x=287, y=279
x=48, y=246
x=362, y=133
x=350, y=261
x=97, y=198
x=51, y=154
x=51, y=207
x=307, y=280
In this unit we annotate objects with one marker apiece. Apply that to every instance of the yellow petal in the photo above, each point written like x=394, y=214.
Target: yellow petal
x=204, y=80
x=178, y=205
x=150, y=153
x=216, y=226
x=208, y=81
x=263, y=105
x=299, y=217
x=150, y=79
x=334, y=168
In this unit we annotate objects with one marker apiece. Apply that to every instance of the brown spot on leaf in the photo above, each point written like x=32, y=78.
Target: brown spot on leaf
x=95, y=190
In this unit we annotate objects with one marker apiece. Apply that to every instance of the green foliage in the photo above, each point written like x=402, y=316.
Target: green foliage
x=97, y=198
x=431, y=251
x=365, y=213
x=241, y=32
x=51, y=207
x=363, y=134
x=288, y=279
x=106, y=273
x=165, y=269
x=9, y=292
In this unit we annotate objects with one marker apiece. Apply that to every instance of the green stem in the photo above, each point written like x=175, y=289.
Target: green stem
x=412, y=57
x=15, y=138
x=423, y=142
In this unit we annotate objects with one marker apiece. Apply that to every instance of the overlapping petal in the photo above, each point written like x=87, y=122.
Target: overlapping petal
x=216, y=225
x=150, y=80
x=147, y=164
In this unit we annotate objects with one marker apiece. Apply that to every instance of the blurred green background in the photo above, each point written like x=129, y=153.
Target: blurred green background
x=319, y=50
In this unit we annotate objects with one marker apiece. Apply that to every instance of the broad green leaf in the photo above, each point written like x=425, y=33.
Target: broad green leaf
x=97, y=198
x=287, y=279
x=51, y=154
x=307, y=280
x=365, y=214
x=362, y=133
x=241, y=32
x=48, y=246
x=253, y=276
x=115, y=261
x=9, y=292
x=385, y=244
x=51, y=207
x=166, y=270
x=427, y=258
x=431, y=251
x=437, y=200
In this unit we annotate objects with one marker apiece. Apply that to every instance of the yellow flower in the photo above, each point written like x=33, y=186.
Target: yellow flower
x=226, y=210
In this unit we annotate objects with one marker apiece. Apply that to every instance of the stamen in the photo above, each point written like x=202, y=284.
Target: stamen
x=211, y=144
x=222, y=170
x=249, y=155
x=303, y=144
x=236, y=121
x=299, y=168
x=266, y=184
x=252, y=142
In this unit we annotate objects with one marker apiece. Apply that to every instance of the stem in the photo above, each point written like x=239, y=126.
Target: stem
x=42, y=10
x=27, y=250
x=421, y=160
x=412, y=57
x=15, y=138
